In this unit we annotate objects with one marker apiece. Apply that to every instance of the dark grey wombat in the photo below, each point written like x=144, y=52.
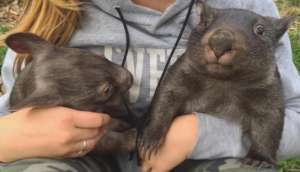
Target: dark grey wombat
x=228, y=71
x=73, y=78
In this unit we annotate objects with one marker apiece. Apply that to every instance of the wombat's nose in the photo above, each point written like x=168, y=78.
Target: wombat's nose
x=126, y=80
x=221, y=42
x=130, y=82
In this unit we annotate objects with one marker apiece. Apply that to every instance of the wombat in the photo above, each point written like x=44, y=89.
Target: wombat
x=73, y=78
x=229, y=71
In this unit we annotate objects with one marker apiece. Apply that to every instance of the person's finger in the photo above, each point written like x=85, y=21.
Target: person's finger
x=83, y=147
x=146, y=168
x=84, y=119
x=87, y=134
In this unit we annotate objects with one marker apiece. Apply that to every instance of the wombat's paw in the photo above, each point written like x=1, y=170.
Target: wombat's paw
x=116, y=142
x=150, y=140
x=257, y=163
x=260, y=158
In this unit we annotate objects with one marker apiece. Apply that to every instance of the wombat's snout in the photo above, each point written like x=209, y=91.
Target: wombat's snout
x=221, y=42
x=130, y=82
x=126, y=80
x=220, y=47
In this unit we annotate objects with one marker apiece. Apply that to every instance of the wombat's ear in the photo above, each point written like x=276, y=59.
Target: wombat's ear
x=207, y=13
x=25, y=43
x=282, y=25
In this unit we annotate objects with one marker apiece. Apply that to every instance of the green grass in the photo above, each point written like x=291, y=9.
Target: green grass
x=2, y=50
x=292, y=165
x=284, y=4
x=293, y=2
x=295, y=40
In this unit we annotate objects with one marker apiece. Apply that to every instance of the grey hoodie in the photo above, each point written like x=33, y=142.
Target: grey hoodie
x=152, y=35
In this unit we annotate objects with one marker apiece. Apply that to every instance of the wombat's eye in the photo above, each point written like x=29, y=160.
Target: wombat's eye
x=259, y=29
x=105, y=90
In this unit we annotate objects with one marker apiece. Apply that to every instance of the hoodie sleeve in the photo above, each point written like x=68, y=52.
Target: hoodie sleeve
x=219, y=138
x=8, y=80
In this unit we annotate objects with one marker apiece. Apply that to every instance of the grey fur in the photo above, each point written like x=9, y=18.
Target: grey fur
x=244, y=86
x=73, y=78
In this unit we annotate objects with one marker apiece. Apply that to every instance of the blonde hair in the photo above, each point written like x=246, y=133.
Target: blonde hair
x=53, y=20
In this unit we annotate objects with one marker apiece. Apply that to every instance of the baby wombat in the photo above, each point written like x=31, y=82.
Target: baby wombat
x=73, y=78
x=228, y=71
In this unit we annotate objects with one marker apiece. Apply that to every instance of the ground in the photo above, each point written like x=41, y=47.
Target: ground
x=9, y=14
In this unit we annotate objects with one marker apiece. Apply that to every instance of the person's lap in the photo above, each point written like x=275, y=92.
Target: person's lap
x=93, y=164
x=218, y=165
x=84, y=164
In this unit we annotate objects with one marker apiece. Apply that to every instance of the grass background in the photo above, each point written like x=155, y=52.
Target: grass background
x=286, y=7
x=2, y=50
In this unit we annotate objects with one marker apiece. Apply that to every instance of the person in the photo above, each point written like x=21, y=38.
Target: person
x=59, y=138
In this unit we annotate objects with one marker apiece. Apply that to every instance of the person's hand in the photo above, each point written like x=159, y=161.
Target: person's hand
x=180, y=142
x=51, y=133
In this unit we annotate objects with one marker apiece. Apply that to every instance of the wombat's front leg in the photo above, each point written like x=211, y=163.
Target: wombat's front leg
x=117, y=125
x=265, y=134
x=164, y=108
x=116, y=142
x=120, y=137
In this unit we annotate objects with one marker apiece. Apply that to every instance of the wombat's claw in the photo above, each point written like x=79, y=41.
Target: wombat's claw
x=148, y=148
x=149, y=144
x=265, y=164
x=257, y=164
